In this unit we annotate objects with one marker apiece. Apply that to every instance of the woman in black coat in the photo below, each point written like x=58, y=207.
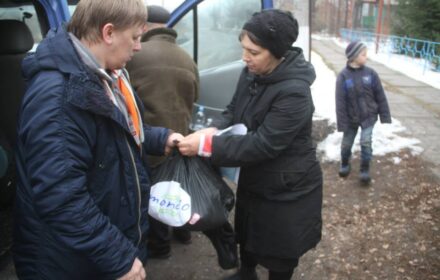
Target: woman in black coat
x=279, y=194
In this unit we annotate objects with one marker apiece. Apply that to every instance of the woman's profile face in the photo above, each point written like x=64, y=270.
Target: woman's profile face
x=258, y=59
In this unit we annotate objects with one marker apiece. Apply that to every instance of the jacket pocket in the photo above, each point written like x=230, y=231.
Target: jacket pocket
x=104, y=172
x=272, y=183
x=126, y=219
x=293, y=179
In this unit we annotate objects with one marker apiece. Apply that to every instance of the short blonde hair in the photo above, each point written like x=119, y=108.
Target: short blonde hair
x=91, y=15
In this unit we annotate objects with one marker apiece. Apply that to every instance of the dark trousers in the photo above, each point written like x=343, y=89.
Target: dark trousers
x=159, y=236
x=366, y=142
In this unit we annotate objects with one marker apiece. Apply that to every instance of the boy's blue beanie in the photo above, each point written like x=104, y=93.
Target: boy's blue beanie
x=354, y=49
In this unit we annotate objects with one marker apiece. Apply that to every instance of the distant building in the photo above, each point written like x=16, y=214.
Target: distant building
x=331, y=15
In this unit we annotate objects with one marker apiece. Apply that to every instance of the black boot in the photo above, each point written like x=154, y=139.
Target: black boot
x=364, y=175
x=345, y=168
x=244, y=273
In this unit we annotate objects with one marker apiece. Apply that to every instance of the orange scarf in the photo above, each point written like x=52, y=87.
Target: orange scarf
x=131, y=107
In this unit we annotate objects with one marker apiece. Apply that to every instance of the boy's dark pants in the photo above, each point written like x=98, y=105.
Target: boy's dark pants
x=366, y=143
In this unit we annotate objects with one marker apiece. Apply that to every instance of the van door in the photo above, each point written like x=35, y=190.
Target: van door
x=209, y=30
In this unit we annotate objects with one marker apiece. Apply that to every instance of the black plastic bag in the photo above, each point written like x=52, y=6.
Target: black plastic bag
x=225, y=245
x=211, y=197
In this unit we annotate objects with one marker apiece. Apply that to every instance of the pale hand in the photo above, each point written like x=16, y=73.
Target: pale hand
x=137, y=272
x=189, y=146
x=172, y=141
x=207, y=131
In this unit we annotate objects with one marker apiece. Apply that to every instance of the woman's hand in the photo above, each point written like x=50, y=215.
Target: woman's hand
x=207, y=131
x=172, y=141
x=137, y=272
x=189, y=146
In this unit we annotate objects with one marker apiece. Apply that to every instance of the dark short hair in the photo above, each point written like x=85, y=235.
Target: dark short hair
x=251, y=36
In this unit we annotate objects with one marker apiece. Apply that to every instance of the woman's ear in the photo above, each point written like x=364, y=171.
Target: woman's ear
x=108, y=31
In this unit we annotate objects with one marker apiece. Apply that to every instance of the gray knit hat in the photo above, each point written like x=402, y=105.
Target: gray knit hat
x=354, y=49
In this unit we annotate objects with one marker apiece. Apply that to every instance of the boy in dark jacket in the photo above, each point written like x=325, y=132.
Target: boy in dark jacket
x=360, y=98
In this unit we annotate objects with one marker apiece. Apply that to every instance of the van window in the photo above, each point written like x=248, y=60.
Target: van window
x=219, y=25
x=22, y=12
x=71, y=4
x=185, y=33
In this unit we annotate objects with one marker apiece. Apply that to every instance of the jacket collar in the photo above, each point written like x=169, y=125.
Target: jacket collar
x=85, y=89
x=160, y=34
x=89, y=59
x=87, y=92
x=349, y=67
x=88, y=96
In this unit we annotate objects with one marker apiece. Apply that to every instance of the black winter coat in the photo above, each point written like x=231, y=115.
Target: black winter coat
x=279, y=193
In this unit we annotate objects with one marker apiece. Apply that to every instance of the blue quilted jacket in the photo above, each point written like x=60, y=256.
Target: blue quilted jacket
x=83, y=188
x=360, y=98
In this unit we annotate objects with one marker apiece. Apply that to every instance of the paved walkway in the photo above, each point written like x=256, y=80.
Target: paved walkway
x=415, y=104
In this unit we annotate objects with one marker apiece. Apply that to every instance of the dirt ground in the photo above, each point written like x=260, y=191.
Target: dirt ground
x=388, y=230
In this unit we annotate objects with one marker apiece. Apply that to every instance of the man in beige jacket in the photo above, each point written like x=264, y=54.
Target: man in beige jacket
x=166, y=79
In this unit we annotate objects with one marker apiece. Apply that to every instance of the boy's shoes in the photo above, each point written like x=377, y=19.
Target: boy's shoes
x=364, y=175
x=344, y=170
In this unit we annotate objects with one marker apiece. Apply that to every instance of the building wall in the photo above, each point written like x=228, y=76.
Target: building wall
x=331, y=15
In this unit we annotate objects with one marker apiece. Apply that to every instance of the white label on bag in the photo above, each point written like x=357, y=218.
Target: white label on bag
x=169, y=203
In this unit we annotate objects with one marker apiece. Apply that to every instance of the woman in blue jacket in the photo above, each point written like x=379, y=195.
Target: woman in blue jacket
x=83, y=190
